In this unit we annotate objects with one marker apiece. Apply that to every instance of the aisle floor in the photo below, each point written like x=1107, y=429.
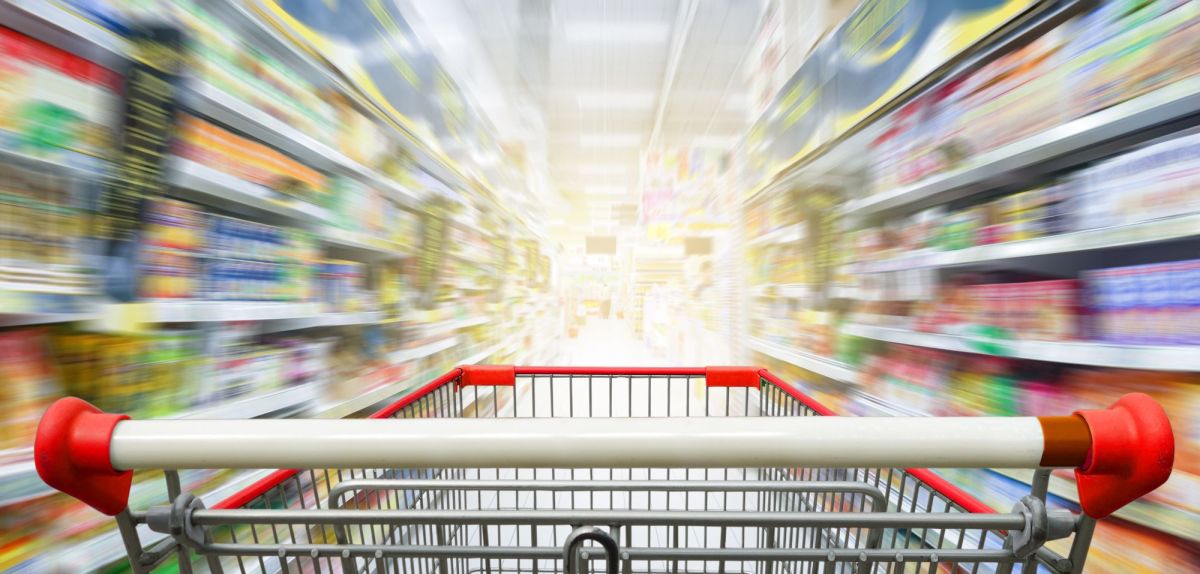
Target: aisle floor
x=608, y=343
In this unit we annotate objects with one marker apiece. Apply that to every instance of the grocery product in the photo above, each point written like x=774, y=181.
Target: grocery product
x=188, y=253
x=54, y=104
x=216, y=147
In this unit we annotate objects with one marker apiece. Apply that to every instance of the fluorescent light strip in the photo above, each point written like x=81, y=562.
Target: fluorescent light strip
x=610, y=140
x=611, y=32
x=616, y=100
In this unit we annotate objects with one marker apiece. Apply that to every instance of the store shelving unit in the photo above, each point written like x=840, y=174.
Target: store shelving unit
x=434, y=173
x=1091, y=353
x=1074, y=142
x=823, y=366
x=353, y=245
x=787, y=234
x=1145, y=233
x=205, y=311
x=55, y=24
x=213, y=187
x=422, y=351
x=974, y=209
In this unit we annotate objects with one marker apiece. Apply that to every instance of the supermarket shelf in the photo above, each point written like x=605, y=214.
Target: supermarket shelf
x=359, y=245
x=217, y=188
x=18, y=319
x=57, y=166
x=255, y=405
x=217, y=104
x=1172, y=102
x=1093, y=353
x=54, y=24
x=19, y=482
x=1182, y=524
x=455, y=324
x=324, y=320
x=134, y=316
x=1165, y=229
x=885, y=407
x=823, y=366
x=406, y=355
x=480, y=356
x=787, y=234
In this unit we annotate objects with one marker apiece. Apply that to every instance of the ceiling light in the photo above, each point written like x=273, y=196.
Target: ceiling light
x=589, y=32
x=610, y=140
x=616, y=100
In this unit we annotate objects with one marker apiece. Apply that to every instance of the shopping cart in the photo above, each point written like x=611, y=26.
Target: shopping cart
x=499, y=469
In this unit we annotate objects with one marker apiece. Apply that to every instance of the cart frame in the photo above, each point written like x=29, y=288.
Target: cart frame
x=764, y=519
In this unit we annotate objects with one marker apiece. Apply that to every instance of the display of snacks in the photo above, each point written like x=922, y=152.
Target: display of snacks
x=41, y=222
x=188, y=253
x=342, y=286
x=54, y=104
x=213, y=146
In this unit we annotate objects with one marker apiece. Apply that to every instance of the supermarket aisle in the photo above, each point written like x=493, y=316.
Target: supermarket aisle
x=609, y=342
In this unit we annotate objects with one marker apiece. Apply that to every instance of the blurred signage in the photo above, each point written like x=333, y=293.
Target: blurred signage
x=433, y=241
x=374, y=48
x=149, y=114
x=601, y=245
x=886, y=47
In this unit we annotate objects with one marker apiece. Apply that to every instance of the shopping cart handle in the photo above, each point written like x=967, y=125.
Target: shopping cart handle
x=1120, y=453
x=71, y=454
x=1131, y=454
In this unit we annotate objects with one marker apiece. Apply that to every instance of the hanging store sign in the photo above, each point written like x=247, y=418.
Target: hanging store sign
x=372, y=45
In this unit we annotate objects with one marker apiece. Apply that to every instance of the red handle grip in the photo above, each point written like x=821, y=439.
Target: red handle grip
x=71, y=454
x=1132, y=452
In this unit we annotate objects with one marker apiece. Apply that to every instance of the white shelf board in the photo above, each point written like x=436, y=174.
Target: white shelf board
x=324, y=320
x=455, y=324
x=1164, y=229
x=823, y=366
x=787, y=234
x=1093, y=353
x=480, y=356
x=255, y=405
x=414, y=353
x=205, y=184
x=18, y=319
x=1174, y=101
x=121, y=317
x=53, y=23
x=373, y=248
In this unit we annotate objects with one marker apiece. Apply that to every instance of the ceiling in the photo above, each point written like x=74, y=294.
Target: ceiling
x=586, y=86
